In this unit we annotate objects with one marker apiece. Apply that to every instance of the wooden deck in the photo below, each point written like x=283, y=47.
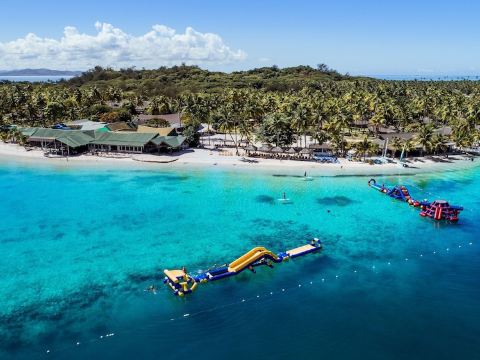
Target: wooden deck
x=300, y=250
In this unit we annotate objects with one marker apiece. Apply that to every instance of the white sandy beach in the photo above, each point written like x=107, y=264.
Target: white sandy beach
x=203, y=158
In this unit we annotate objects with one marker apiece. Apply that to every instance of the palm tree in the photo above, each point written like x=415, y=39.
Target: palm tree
x=376, y=121
x=364, y=147
x=302, y=121
x=397, y=145
x=424, y=138
x=439, y=143
x=408, y=146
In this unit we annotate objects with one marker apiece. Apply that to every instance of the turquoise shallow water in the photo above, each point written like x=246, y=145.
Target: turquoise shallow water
x=79, y=246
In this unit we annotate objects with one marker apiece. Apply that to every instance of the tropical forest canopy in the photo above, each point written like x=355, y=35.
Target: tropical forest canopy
x=268, y=102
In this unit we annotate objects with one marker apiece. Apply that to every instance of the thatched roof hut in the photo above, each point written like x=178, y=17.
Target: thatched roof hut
x=264, y=148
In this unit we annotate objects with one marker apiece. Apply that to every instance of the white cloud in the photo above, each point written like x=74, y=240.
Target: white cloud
x=111, y=46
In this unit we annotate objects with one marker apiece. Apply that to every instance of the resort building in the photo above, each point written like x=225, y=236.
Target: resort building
x=175, y=120
x=68, y=142
x=86, y=125
x=123, y=142
x=164, y=131
x=135, y=142
x=120, y=126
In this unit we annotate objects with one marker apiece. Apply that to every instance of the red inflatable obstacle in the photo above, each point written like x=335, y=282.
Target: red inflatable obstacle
x=440, y=209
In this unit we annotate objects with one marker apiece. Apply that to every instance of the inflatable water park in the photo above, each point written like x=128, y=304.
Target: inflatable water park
x=181, y=282
x=437, y=210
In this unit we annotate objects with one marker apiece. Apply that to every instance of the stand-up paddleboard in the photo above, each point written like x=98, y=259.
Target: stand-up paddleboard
x=284, y=199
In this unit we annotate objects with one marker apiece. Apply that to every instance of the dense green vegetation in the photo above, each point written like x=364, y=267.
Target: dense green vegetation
x=268, y=103
x=180, y=79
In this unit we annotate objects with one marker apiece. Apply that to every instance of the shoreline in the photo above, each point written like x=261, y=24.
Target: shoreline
x=204, y=158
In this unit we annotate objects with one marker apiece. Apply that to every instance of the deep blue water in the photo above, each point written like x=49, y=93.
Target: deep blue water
x=80, y=246
x=34, y=78
x=434, y=77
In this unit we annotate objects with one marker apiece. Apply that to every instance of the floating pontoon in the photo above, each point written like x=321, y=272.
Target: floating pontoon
x=182, y=283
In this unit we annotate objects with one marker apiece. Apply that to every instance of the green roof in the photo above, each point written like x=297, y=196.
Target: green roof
x=127, y=139
x=170, y=141
x=76, y=138
x=28, y=131
x=72, y=138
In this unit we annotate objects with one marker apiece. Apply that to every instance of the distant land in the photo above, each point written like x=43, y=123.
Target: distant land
x=38, y=72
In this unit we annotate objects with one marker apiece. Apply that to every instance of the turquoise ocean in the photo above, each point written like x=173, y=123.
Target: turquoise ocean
x=79, y=246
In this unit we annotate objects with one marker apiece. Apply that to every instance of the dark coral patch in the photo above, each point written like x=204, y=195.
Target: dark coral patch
x=265, y=199
x=335, y=200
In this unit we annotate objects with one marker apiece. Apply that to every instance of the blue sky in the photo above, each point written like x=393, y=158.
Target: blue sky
x=359, y=37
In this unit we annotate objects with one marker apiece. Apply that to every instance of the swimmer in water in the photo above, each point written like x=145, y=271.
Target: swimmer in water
x=284, y=196
x=152, y=289
x=305, y=175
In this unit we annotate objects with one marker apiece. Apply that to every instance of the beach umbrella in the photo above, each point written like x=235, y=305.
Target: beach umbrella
x=291, y=151
x=277, y=150
x=264, y=148
x=306, y=151
x=250, y=148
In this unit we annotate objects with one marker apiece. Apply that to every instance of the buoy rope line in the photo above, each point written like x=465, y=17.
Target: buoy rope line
x=264, y=296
